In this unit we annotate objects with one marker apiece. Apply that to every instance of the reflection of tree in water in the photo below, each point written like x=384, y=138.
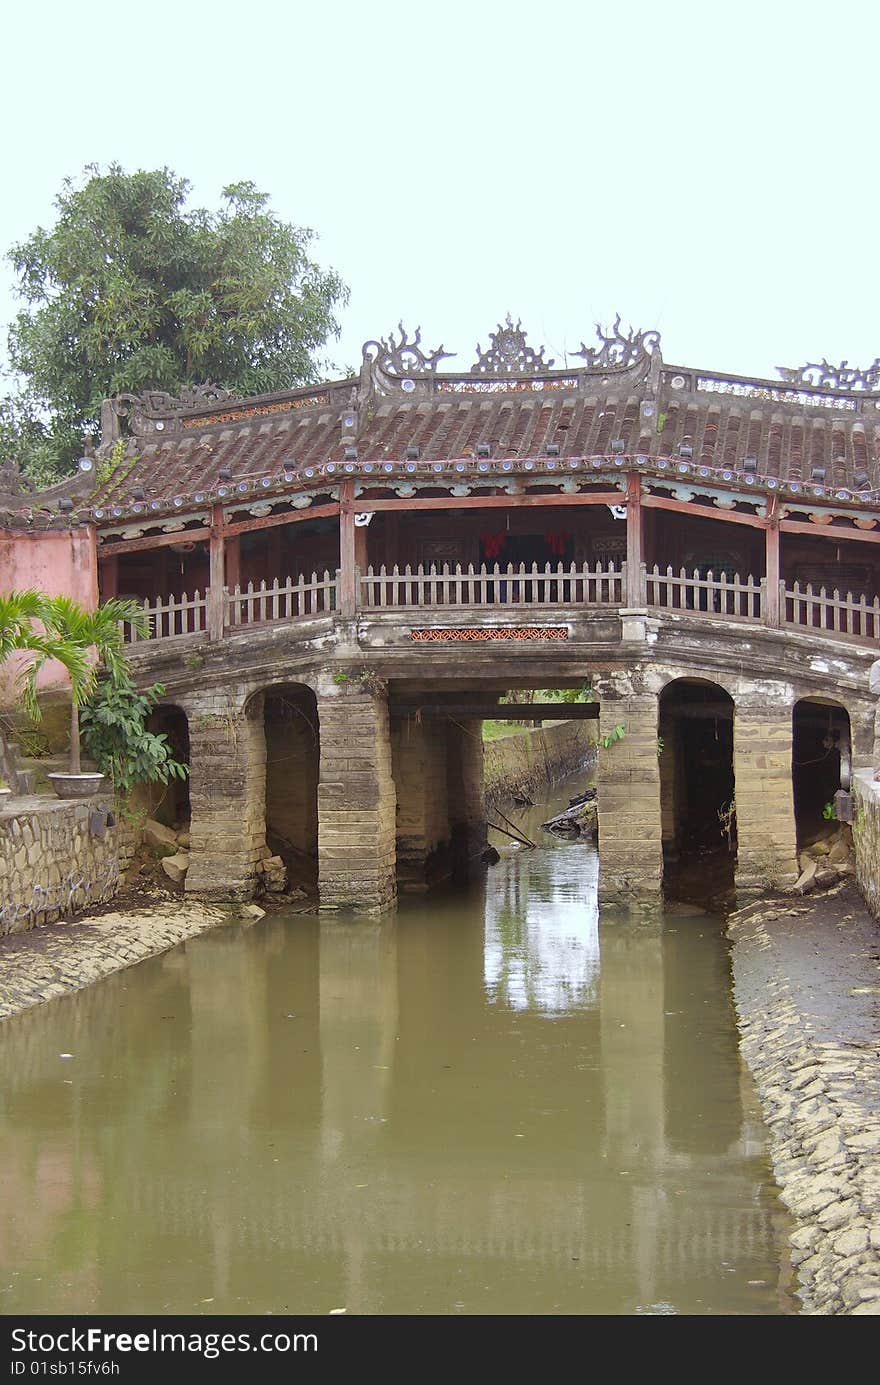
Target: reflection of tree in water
x=541, y=947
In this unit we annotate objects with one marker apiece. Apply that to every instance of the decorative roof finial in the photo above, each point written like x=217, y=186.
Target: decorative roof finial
x=508, y=353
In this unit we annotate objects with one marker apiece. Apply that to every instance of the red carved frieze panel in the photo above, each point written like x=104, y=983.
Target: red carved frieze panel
x=466, y=636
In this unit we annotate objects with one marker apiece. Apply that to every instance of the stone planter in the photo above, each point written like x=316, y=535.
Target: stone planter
x=76, y=785
x=5, y=795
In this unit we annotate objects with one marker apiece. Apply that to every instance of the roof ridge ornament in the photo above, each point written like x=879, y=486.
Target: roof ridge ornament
x=403, y=358
x=839, y=377
x=619, y=350
x=508, y=353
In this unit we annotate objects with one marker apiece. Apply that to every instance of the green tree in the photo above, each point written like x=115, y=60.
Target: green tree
x=131, y=290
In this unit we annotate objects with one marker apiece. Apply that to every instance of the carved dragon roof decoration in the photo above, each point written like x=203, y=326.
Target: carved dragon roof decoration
x=842, y=376
x=394, y=364
x=618, y=350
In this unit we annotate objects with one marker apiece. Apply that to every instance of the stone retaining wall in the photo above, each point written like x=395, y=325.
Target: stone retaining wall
x=866, y=836
x=818, y=1078
x=523, y=763
x=53, y=863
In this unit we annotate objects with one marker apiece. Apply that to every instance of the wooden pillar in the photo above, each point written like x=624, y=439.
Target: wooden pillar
x=773, y=612
x=347, y=551
x=634, y=540
x=216, y=590
x=109, y=578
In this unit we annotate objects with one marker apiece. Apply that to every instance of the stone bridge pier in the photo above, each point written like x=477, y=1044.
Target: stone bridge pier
x=762, y=764
x=356, y=803
x=628, y=795
x=227, y=793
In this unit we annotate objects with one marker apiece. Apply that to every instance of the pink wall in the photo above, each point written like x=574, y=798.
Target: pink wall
x=59, y=563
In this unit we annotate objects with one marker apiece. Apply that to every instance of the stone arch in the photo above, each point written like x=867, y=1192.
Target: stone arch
x=697, y=785
x=821, y=761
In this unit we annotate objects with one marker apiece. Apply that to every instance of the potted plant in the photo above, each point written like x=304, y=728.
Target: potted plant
x=97, y=636
x=23, y=630
x=56, y=627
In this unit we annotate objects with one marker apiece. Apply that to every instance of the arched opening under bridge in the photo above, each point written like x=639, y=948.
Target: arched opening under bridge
x=290, y=716
x=697, y=792
x=170, y=803
x=821, y=763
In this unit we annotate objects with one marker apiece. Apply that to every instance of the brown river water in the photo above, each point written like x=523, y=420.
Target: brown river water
x=489, y=1103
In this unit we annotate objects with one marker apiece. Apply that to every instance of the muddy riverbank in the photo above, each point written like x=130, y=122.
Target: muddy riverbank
x=60, y=958
x=807, y=995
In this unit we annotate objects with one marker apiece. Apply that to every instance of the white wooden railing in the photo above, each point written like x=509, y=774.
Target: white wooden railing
x=846, y=617
x=182, y=615
x=721, y=595
x=852, y=617
x=254, y=605
x=514, y=585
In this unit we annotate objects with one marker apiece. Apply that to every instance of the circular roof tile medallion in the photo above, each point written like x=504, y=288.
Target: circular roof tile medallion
x=677, y=382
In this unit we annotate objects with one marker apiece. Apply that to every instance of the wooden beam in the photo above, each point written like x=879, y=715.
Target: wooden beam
x=684, y=507
x=108, y=550
x=548, y=711
x=506, y=711
x=827, y=531
x=247, y=526
x=201, y=535
x=485, y=502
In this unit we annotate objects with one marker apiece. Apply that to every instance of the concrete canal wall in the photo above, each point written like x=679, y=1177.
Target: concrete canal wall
x=866, y=836
x=522, y=764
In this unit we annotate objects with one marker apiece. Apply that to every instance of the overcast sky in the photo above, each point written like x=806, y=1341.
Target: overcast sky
x=707, y=170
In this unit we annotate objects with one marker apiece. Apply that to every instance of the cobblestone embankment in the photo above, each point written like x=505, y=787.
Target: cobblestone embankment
x=807, y=993
x=63, y=957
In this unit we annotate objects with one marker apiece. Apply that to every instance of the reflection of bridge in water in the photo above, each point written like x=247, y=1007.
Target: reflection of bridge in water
x=399, y=1116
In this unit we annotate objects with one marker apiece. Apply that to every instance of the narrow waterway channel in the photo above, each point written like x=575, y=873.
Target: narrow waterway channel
x=487, y=1103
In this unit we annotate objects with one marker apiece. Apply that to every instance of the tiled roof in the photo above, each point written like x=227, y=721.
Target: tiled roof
x=816, y=433
x=789, y=439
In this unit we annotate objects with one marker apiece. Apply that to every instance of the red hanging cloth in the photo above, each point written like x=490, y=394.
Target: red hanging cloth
x=492, y=544
x=557, y=541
